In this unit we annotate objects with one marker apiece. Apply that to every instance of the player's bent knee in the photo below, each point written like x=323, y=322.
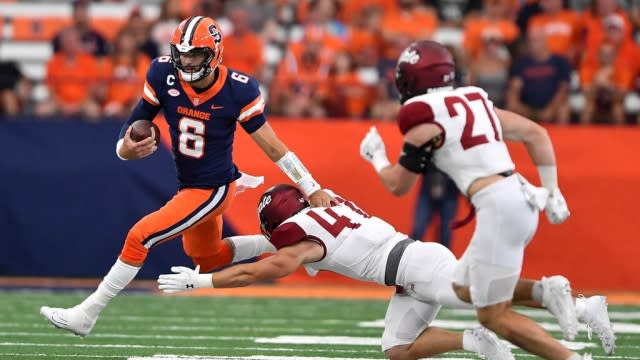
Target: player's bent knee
x=133, y=252
x=399, y=352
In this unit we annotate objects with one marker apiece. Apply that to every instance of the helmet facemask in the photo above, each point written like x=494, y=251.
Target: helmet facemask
x=193, y=73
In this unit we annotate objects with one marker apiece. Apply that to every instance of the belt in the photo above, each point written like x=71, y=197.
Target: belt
x=393, y=261
x=472, y=210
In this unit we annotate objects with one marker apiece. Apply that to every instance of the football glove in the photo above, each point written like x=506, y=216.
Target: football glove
x=184, y=279
x=557, y=210
x=373, y=150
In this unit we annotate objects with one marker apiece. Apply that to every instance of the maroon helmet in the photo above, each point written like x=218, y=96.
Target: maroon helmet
x=423, y=65
x=277, y=205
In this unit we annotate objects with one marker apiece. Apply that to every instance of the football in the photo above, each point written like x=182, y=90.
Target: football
x=141, y=129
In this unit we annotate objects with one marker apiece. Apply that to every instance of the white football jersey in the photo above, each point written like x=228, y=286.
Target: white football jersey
x=473, y=145
x=356, y=244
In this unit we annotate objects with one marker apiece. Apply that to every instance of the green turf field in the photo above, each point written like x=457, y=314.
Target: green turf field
x=146, y=326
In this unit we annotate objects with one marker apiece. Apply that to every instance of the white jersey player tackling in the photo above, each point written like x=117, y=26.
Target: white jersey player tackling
x=461, y=131
x=346, y=240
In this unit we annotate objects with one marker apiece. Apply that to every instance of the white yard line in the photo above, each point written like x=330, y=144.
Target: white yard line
x=130, y=336
x=44, y=355
x=172, y=347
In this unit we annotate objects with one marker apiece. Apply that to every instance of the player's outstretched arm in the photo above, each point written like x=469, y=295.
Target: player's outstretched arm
x=282, y=263
x=289, y=163
x=399, y=178
x=538, y=143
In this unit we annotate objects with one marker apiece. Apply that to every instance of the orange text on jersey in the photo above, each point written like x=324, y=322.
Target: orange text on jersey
x=202, y=115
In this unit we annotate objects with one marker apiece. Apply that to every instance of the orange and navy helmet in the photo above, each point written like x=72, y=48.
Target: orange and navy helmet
x=197, y=35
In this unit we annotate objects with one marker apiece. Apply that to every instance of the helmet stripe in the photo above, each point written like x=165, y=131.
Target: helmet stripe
x=184, y=29
x=191, y=26
x=195, y=28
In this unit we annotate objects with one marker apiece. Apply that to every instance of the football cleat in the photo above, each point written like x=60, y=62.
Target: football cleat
x=487, y=345
x=72, y=319
x=557, y=298
x=586, y=357
x=596, y=317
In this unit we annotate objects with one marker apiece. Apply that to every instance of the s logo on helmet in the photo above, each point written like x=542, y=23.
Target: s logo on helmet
x=410, y=56
x=215, y=33
x=265, y=201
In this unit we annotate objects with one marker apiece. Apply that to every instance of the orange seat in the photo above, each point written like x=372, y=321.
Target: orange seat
x=38, y=29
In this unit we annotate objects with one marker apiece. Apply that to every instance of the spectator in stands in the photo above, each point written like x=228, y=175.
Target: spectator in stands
x=437, y=194
x=92, y=41
x=364, y=42
x=324, y=14
x=411, y=19
x=215, y=9
x=14, y=89
x=609, y=73
x=452, y=13
x=139, y=27
x=345, y=94
x=163, y=28
x=125, y=72
x=243, y=49
x=594, y=22
x=494, y=20
x=490, y=69
x=295, y=89
x=539, y=84
x=562, y=27
x=387, y=102
x=72, y=79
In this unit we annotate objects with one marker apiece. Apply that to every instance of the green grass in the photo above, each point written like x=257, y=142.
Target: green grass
x=148, y=324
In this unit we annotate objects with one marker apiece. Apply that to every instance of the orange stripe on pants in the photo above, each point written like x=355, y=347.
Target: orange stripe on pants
x=202, y=232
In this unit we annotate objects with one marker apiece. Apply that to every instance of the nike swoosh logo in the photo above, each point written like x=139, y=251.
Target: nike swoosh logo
x=213, y=107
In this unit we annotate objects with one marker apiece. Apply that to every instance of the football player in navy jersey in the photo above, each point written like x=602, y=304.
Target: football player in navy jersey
x=202, y=101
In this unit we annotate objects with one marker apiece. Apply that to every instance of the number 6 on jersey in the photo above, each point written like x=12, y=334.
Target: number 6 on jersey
x=191, y=140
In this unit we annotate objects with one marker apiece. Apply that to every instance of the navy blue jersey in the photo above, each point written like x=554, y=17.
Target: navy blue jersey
x=202, y=125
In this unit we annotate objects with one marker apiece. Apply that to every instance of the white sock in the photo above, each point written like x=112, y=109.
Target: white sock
x=574, y=356
x=249, y=246
x=537, y=291
x=116, y=279
x=467, y=341
x=580, y=308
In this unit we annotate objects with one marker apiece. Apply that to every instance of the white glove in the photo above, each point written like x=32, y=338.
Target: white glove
x=373, y=150
x=184, y=279
x=557, y=210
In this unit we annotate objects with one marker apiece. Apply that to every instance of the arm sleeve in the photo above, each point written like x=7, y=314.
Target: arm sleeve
x=252, y=105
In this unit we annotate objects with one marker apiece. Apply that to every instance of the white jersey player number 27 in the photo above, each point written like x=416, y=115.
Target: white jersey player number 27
x=468, y=139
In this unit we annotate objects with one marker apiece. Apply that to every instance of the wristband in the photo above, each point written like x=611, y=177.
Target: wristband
x=380, y=162
x=295, y=170
x=118, y=146
x=204, y=281
x=548, y=176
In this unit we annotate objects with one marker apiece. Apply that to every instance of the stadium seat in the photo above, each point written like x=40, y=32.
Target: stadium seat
x=37, y=28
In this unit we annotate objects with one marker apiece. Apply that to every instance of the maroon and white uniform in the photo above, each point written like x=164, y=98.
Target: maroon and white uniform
x=473, y=148
x=472, y=134
x=359, y=246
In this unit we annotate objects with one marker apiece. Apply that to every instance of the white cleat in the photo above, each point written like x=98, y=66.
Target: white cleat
x=557, y=298
x=72, y=319
x=596, y=317
x=488, y=346
x=586, y=357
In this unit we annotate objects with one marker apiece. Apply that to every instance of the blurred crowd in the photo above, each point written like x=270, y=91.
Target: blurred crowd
x=337, y=57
